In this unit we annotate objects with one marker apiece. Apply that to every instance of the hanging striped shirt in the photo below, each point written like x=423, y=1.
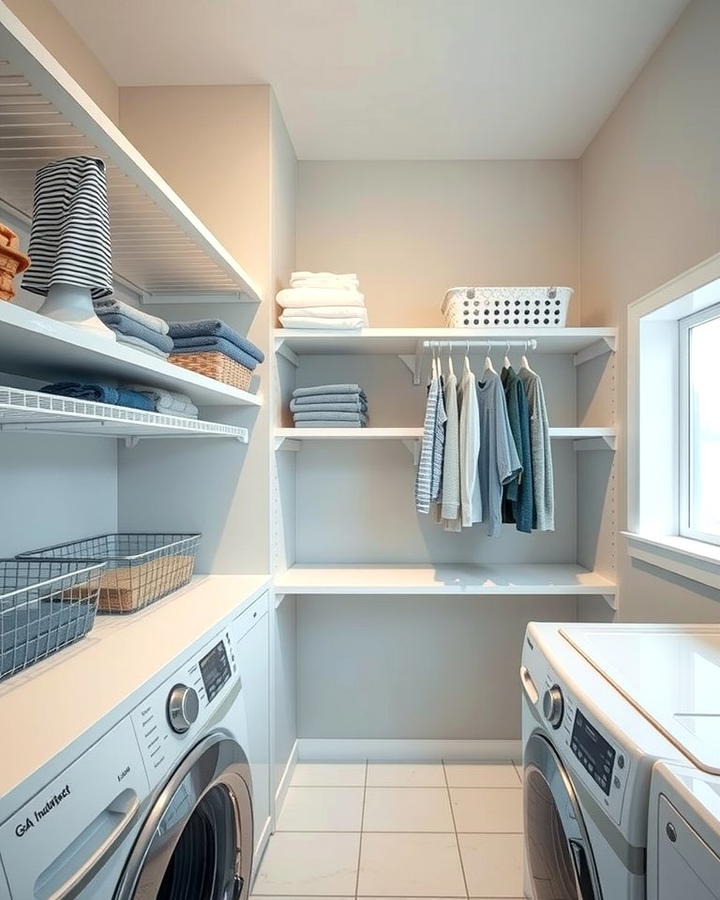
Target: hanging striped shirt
x=70, y=233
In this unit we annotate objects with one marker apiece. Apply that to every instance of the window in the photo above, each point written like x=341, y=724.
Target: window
x=673, y=426
x=699, y=407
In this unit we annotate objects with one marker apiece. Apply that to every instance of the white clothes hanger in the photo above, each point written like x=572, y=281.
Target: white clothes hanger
x=467, y=359
x=506, y=361
x=451, y=370
x=488, y=367
x=525, y=364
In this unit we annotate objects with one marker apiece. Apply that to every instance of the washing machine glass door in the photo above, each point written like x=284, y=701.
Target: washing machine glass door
x=197, y=841
x=558, y=852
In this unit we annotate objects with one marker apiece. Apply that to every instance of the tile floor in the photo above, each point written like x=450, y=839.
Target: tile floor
x=384, y=830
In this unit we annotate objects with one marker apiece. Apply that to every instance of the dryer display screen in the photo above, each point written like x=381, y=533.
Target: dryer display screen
x=215, y=670
x=593, y=751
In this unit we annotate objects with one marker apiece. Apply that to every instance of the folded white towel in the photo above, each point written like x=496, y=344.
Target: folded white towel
x=324, y=279
x=294, y=298
x=323, y=324
x=169, y=402
x=325, y=312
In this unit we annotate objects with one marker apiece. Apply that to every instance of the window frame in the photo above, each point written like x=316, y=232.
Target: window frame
x=652, y=427
x=685, y=473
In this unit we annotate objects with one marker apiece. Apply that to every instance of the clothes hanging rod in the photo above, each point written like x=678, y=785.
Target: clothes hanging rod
x=477, y=342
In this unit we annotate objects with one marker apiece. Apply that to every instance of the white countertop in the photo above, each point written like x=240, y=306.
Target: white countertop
x=671, y=673
x=46, y=707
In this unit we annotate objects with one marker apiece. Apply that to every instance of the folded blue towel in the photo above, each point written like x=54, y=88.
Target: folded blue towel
x=214, y=345
x=328, y=407
x=100, y=393
x=324, y=424
x=329, y=389
x=299, y=402
x=215, y=328
x=330, y=417
x=133, y=328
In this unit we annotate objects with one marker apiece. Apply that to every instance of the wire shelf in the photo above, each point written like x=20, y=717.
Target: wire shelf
x=160, y=249
x=27, y=411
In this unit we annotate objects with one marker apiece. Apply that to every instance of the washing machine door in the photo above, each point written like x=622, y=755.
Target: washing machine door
x=557, y=850
x=197, y=841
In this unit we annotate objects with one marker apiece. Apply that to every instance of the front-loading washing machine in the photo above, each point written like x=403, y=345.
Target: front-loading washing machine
x=587, y=758
x=158, y=808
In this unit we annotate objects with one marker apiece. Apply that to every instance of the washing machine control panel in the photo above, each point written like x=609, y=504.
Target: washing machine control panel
x=600, y=762
x=168, y=720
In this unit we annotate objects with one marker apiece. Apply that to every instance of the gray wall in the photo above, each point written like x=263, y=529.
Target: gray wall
x=422, y=667
x=650, y=199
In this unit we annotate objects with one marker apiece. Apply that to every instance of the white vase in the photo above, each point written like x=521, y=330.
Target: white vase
x=73, y=305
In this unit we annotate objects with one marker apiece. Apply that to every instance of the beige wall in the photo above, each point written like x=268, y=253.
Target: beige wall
x=52, y=30
x=411, y=230
x=212, y=145
x=650, y=200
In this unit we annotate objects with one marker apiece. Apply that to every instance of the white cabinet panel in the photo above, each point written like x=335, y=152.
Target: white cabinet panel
x=253, y=657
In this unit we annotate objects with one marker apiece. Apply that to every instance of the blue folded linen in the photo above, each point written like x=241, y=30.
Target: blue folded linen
x=214, y=345
x=100, y=393
x=132, y=328
x=360, y=398
x=330, y=416
x=110, y=305
x=354, y=406
x=329, y=389
x=215, y=328
x=321, y=423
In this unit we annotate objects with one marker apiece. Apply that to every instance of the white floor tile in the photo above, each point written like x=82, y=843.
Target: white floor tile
x=491, y=810
x=311, y=774
x=493, y=864
x=410, y=865
x=485, y=775
x=309, y=865
x=322, y=809
x=405, y=775
x=407, y=809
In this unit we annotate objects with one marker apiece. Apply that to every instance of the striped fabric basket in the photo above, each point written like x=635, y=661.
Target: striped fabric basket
x=215, y=365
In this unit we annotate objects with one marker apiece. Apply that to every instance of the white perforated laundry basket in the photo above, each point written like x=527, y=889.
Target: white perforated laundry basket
x=507, y=307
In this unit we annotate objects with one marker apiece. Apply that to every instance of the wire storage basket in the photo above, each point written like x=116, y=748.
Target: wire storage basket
x=507, y=307
x=45, y=605
x=140, y=568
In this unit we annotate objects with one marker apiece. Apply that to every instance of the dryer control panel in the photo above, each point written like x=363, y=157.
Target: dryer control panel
x=596, y=759
x=168, y=720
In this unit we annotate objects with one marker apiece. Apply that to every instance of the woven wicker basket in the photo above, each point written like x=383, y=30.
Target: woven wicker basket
x=12, y=261
x=215, y=365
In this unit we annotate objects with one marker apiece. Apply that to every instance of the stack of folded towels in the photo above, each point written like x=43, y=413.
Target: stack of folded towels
x=330, y=406
x=324, y=301
x=169, y=403
x=134, y=327
x=100, y=393
x=214, y=336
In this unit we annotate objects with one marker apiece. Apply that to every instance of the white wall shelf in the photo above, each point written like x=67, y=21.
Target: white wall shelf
x=38, y=347
x=518, y=580
x=583, y=343
x=31, y=411
x=161, y=250
x=590, y=438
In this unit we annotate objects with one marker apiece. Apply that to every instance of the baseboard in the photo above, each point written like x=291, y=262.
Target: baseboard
x=287, y=776
x=390, y=750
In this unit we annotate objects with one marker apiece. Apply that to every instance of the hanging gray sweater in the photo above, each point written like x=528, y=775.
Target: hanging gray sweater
x=542, y=465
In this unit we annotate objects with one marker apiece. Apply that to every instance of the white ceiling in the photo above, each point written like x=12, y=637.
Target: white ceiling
x=396, y=79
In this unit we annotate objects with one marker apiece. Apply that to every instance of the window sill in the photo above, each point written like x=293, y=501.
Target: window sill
x=690, y=559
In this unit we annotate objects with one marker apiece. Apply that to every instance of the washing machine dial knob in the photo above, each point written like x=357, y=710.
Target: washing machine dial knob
x=553, y=706
x=183, y=707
